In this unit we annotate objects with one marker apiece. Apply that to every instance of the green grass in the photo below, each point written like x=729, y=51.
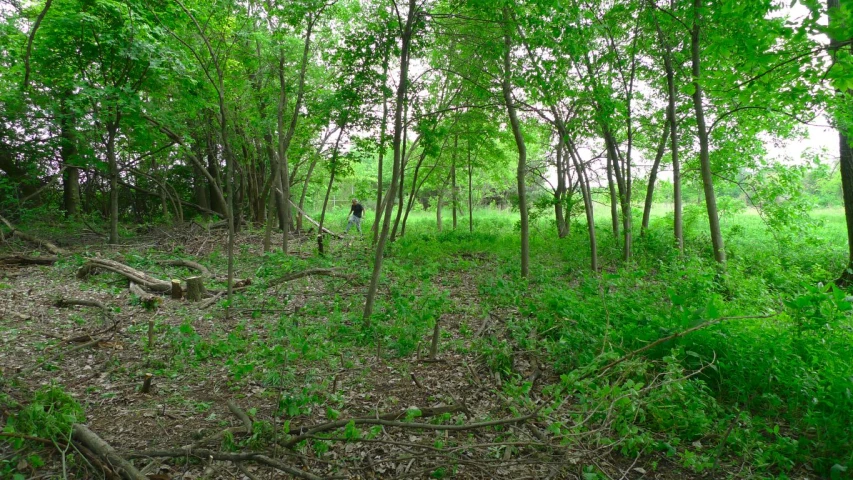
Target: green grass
x=771, y=391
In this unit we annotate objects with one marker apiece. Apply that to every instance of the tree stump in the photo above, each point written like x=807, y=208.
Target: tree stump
x=177, y=292
x=195, y=289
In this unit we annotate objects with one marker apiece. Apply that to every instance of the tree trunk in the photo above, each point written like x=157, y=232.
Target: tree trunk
x=560, y=192
x=678, y=222
x=398, y=130
x=112, y=131
x=305, y=191
x=845, y=164
x=650, y=190
x=470, y=193
x=704, y=149
x=68, y=152
x=521, y=169
x=413, y=192
x=199, y=191
x=453, y=196
x=403, y=163
x=217, y=204
x=614, y=202
x=332, y=171
x=587, y=200
x=283, y=173
x=382, y=128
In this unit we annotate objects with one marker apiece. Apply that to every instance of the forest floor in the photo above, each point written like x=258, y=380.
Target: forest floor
x=290, y=356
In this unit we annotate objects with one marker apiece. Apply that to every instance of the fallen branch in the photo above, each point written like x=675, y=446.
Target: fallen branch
x=88, y=337
x=314, y=222
x=659, y=341
x=228, y=457
x=188, y=264
x=393, y=423
x=31, y=369
x=247, y=422
x=135, y=276
x=27, y=260
x=329, y=272
x=101, y=448
x=70, y=302
x=210, y=301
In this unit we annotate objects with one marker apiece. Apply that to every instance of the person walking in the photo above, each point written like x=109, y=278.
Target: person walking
x=356, y=211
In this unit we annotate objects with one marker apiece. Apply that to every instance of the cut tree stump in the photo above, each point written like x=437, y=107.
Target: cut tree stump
x=135, y=276
x=177, y=291
x=195, y=289
x=101, y=448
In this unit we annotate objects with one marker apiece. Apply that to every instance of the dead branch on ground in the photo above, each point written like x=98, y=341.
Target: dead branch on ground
x=31, y=369
x=601, y=371
x=228, y=457
x=393, y=423
x=329, y=272
x=132, y=274
x=101, y=448
x=247, y=422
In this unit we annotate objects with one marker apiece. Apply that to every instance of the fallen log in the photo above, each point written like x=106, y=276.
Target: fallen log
x=135, y=276
x=101, y=448
x=52, y=248
x=27, y=260
x=70, y=302
x=315, y=222
x=188, y=264
x=329, y=272
x=148, y=301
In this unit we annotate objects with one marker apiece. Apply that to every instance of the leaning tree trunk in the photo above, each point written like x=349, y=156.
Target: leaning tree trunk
x=395, y=174
x=583, y=182
x=521, y=170
x=653, y=175
x=332, y=170
x=704, y=149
